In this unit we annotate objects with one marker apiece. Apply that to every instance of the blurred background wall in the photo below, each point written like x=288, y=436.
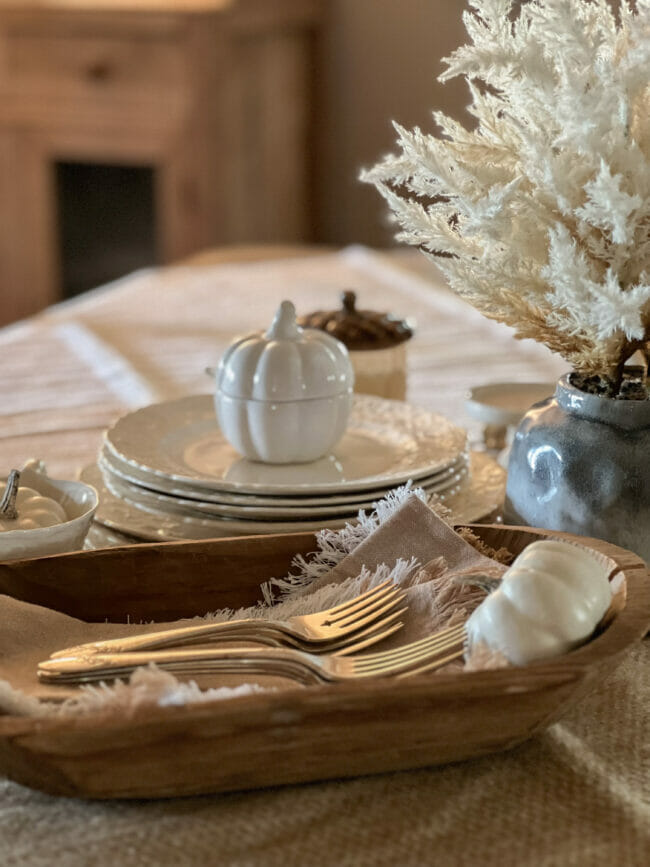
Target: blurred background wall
x=135, y=132
x=379, y=61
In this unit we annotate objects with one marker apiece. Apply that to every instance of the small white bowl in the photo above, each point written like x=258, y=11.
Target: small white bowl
x=79, y=502
x=505, y=403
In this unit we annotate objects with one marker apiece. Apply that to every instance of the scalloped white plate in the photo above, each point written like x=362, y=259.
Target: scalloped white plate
x=112, y=467
x=273, y=511
x=480, y=497
x=386, y=443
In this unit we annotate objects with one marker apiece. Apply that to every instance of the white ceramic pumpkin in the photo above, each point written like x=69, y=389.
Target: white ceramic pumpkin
x=284, y=395
x=549, y=601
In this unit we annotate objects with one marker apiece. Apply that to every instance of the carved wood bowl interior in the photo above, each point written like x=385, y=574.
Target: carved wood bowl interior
x=298, y=734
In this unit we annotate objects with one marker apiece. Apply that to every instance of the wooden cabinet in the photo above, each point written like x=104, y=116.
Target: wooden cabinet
x=213, y=95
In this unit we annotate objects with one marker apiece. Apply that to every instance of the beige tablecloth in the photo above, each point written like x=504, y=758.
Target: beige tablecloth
x=577, y=795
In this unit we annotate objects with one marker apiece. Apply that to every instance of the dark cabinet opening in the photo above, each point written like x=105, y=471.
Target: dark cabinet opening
x=106, y=223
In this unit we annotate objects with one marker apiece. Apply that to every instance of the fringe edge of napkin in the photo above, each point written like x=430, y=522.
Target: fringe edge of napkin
x=286, y=596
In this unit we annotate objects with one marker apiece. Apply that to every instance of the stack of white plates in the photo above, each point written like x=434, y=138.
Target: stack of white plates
x=166, y=472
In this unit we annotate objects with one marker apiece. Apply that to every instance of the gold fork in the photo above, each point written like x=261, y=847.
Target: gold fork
x=415, y=658
x=325, y=631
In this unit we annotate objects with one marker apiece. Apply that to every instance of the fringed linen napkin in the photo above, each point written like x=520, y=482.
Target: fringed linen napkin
x=403, y=540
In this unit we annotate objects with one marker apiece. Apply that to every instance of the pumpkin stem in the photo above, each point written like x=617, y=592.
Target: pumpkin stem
x=8, y=501
x=349, y=301
x=284, y=325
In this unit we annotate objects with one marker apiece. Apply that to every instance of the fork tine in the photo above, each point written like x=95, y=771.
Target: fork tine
x=374, y=638
x=413, y=655
x=432, y=666
x=351, y=603
x=409, y=662
x=416, y=645
x=350, y=618
x=342, y=647
x=376, y=614
x=412, y=652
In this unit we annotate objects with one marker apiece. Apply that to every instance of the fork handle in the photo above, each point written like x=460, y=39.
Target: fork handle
x=230, y=630
x=84, y=668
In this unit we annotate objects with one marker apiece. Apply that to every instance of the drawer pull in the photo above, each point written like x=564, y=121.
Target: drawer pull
x=100, y=71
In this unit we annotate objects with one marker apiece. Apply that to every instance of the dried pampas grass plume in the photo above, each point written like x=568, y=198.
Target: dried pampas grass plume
x=540, y=216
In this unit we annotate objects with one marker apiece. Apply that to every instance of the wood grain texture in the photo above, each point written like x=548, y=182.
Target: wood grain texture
x=215, y=101
x=299, y=734
x=187, y=6
x=118, y=584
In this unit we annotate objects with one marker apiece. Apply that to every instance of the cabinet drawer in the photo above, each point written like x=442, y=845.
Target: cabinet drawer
x=79, y=64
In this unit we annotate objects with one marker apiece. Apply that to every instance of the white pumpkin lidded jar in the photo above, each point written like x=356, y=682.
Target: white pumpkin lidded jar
x=284, y=395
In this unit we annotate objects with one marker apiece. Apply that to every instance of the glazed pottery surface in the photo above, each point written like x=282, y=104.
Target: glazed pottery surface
x=79, y=501
x=579, y=463
x=283, y=432
x=284, y=396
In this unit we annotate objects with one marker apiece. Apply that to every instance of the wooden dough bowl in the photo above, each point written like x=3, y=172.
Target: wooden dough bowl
x=295, y=735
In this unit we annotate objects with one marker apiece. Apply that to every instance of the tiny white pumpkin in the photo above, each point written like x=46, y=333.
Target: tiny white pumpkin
x=284, y=395
x=26, y=509
x=549, y=601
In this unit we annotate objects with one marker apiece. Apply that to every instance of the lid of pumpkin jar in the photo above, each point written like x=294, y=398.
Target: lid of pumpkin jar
x=359, y=329
x=285, y=362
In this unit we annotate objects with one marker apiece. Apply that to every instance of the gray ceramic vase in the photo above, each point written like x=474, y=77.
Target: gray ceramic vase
x=580, y=463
